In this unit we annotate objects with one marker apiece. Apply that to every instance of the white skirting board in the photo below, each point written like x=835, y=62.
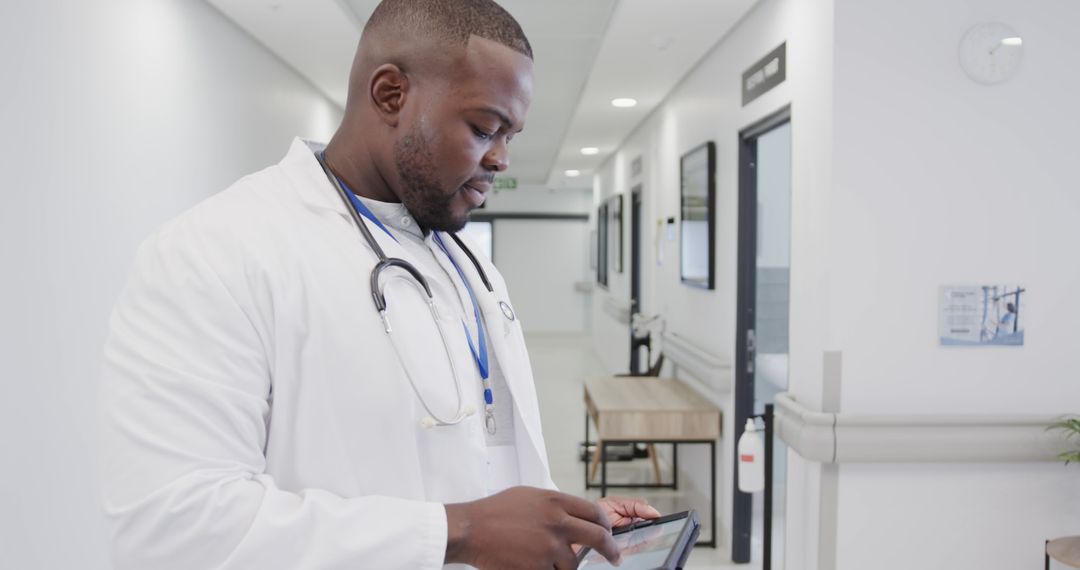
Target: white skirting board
x=854, y=438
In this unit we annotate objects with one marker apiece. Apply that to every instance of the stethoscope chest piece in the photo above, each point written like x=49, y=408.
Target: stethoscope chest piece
x=507, y=311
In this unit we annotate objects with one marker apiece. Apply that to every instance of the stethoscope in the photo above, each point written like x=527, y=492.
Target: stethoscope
x=358, y=211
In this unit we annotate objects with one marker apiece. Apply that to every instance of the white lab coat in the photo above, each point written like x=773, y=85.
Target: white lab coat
x=254, y=414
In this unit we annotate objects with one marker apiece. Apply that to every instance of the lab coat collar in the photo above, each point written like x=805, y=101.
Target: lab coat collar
x=308, y=179
x=317, y=192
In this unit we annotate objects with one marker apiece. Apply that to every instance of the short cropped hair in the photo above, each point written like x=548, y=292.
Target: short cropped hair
x=452, y=20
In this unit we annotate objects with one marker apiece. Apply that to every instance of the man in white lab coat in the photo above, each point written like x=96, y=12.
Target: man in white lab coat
x=257, y=413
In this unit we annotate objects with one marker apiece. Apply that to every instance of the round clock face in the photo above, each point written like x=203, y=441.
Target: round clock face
x=991, y=53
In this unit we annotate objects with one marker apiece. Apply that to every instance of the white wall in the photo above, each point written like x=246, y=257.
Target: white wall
x=707, y=106
x=940, y=180
x=906, y=176
x=117, y=115
x=539, y=199
x=541, y=261
x=542, y=285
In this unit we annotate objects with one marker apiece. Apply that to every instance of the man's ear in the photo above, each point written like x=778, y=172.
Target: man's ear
x=389, y=88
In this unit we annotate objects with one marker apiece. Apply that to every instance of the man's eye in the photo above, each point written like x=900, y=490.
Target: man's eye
x=481, y=134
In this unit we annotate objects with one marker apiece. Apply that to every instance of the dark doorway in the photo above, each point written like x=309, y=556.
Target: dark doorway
x=761, y=351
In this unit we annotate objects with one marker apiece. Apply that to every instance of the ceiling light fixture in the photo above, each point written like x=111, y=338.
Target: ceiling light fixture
x=624, y=102
x=590, y=150
x=573, y=173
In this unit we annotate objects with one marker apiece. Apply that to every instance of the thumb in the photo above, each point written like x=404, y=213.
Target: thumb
x=646, y=511
x=637, y=508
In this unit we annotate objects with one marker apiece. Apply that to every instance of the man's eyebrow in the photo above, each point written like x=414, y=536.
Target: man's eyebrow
x=505, y=120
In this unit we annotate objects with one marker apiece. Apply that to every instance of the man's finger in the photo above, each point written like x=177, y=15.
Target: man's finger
x=566, y=560
x=584, y=510
x=589, y=534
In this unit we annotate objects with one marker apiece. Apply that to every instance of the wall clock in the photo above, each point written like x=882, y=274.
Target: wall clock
x=990, y=53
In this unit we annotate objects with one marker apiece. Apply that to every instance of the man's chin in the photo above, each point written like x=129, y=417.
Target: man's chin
x=457, y=225
x=448, y=224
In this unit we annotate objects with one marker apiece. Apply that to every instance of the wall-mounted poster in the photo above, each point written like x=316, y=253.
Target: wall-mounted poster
x=981, y=315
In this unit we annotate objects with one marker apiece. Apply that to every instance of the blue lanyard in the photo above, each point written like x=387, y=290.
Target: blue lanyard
x=481, y=356
x=361, y=208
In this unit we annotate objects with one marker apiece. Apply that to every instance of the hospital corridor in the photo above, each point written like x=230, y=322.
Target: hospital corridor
x=551, y=284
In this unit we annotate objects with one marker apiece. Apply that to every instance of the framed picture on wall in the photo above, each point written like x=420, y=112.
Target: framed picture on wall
x=615, y=232
x=697, y=206
x=602, y=245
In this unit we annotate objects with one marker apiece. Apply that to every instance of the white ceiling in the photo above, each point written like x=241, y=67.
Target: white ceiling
x=587, y=53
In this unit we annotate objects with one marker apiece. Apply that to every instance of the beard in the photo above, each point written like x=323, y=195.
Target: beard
x=421, y=193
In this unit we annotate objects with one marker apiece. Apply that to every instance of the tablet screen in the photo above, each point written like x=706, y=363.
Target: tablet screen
x=642, y=548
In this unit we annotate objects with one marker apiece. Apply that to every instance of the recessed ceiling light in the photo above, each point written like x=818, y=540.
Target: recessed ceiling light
x=624, y=102
x=1013, y=41
x=590, y=150
x=573, y=173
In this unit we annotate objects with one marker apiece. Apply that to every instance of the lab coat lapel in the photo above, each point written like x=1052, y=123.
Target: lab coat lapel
x=512, y=358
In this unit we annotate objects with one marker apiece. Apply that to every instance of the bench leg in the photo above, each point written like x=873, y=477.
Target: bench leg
x=655, y=462
x=675, y=466
x=603, y=468
x=586, y=448
x=597, y=452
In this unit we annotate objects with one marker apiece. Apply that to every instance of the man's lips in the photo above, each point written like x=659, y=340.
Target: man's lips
x=475, y=193
x=481, y=187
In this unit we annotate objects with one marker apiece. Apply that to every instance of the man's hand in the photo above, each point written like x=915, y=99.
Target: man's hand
x=622, y=511
x=525, y=527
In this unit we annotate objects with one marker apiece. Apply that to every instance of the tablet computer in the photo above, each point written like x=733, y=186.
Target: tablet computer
x=658, y=544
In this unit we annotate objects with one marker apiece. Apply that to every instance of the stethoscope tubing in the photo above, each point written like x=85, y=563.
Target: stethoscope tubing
x=379, y=298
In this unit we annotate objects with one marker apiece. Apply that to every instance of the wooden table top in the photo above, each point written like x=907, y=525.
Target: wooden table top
x=641, y=409
x=1065, y=550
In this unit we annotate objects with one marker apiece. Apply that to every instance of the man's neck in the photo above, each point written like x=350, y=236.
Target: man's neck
x=357, y=170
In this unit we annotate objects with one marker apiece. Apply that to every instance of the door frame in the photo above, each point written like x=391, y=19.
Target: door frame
x=745, y=320
x=636, y=229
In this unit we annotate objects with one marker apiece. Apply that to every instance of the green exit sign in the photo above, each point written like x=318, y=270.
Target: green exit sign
x=505, y=183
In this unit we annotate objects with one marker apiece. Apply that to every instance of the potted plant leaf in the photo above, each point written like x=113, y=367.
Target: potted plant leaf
x=1071, y=427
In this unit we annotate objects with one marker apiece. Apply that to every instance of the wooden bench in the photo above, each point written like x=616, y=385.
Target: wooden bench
x=650, y=410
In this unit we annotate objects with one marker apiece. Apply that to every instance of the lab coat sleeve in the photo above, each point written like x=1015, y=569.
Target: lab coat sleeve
x=184, y=408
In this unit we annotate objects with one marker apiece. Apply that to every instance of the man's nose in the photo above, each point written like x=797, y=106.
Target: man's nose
x=497, y=157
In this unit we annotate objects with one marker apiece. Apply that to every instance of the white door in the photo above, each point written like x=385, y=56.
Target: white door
x=541, y=261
